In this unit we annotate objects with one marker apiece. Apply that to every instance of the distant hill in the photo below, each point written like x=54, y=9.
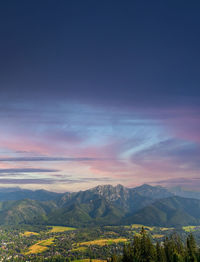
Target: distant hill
x=173, y=211
x=18, y=194
x=25, y=212
x=154, y=192
x=179, y=191
x=102, y=205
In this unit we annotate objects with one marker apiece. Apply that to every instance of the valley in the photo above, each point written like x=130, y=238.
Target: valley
x=55, y=243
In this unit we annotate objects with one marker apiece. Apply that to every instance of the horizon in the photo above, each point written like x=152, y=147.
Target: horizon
x=99, y=185
x=99, y=93
x=115, y=185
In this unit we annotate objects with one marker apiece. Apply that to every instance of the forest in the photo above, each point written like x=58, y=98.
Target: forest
x=172, y=249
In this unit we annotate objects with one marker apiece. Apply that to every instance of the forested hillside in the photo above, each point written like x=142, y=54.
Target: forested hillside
x=102, y=205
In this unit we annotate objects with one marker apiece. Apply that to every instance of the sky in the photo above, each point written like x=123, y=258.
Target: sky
x=99, y=92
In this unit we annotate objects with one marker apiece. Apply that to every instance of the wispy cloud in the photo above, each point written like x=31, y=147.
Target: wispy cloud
x=51, y=159
x=169, y=155
x=39, y=181
x=191, y=183
x=26, y=181
x=128, y=144
x=27, y=170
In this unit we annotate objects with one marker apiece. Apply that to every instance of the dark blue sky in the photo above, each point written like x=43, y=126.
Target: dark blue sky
x=97, y=49
x=114, y=78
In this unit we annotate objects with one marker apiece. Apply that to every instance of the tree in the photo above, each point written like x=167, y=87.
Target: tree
x=160, y=255
x=191, y=249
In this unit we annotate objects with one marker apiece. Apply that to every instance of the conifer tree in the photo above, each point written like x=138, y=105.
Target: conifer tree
x=171, y=250
x=160, y=255
x=191, y=253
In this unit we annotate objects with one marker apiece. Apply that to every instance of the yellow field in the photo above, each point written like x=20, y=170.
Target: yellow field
x=140, y=226
x=47, y=242
x=137, y=234
x=110, y=233
x=191, y=228
x=80, y=249
x=157, y=236
x=166, y=228
x=57, y=229
x=28, y=234
x=35, y=249
x=88, y=260
x=136, y=226
x=102, y=242
x=40, y=246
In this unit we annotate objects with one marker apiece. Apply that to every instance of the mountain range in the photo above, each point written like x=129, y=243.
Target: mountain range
x=102, y=205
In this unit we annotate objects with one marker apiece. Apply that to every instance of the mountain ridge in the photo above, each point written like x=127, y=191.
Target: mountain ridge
x=100, y=205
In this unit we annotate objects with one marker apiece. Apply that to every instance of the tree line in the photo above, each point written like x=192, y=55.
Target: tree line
x=172, y=249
